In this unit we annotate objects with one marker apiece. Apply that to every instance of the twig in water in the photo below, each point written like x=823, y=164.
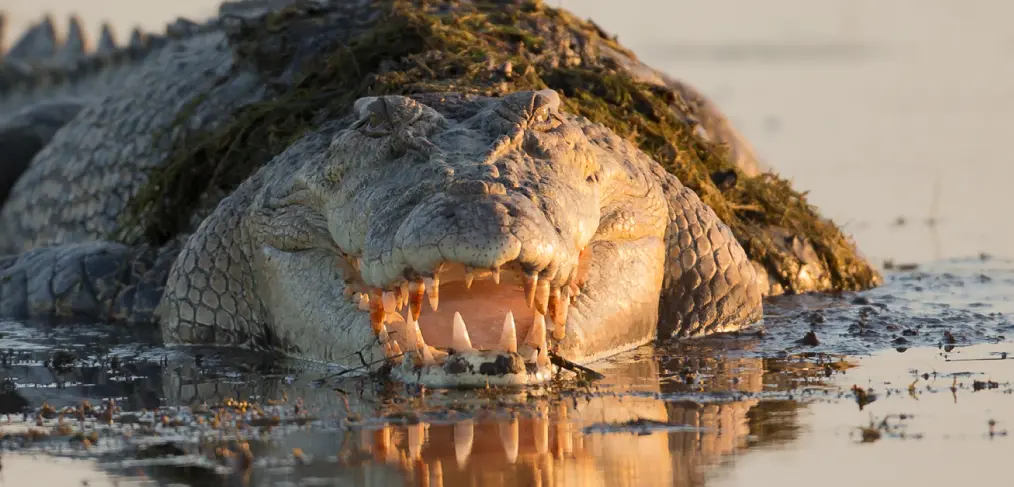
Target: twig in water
x=573, y=367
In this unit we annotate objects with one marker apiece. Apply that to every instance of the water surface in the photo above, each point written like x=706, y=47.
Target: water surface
x=894, y=114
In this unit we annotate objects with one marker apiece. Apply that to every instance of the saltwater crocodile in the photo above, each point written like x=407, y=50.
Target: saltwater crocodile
x=508, y=163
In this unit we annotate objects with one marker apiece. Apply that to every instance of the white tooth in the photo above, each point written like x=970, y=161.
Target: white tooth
x=509, y=437
x=469, y=277
x=537, y=335
x=412, y=334
x=496, y=274
x=542, y=359
x=530, y=282
x=427, y=355
x=509, y=337
x=432, y=290
x=415, y=295
x=364, y=301
x=542, y=296
x=394, y=348
x=376, y=311
x=390, y=302
x=463, y=437
x=459, y=339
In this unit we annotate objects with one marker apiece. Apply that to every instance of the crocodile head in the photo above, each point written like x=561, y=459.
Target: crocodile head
x=465, y=238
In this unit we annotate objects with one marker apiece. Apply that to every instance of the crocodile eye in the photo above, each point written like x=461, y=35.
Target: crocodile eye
x=374, y=121
x=545, y=118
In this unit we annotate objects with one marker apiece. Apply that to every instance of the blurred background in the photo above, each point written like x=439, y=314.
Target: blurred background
x=893, y=113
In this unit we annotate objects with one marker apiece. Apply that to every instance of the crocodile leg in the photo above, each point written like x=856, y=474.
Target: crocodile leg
x=95, y=281
x=710, y=285
x=26, y=133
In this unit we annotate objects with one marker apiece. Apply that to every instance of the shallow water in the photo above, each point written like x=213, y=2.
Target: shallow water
x=928, y=350
x=892, y=113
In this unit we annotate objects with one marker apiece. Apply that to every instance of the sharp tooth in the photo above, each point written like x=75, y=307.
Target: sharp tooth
x=427, y=355
x=402, y=295
x=530, y=281
x=509, y=437
x=463, y=437
x=376, y=311
x=390, y=302
x=459, y=339
x=537, y=335
x=542, y=296
x=542, y=359
x=416, y=289
x=509, y=337
x=537, y=339
x=394, y=349
x=433, y=290
x=469, y=277
x=496, y=274
x=559, y=330
x=559, y=304
x=413, y=337
x=363, y=301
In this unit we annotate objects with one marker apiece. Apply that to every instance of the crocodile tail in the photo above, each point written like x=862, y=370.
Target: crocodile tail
x=91, y=282
x=38, y=61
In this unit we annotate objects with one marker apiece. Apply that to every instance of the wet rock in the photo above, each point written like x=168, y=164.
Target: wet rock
x=949, y=338
x=810, y=340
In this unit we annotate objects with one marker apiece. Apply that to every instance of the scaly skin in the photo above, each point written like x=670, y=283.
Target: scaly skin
x=512, y=184
x=326, y=251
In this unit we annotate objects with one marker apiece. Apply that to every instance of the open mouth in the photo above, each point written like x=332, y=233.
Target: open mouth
x=477, y=326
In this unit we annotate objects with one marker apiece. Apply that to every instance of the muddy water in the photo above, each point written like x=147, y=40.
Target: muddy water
x=891, y=113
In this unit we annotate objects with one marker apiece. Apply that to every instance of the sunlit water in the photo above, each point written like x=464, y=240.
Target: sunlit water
x=891, y=113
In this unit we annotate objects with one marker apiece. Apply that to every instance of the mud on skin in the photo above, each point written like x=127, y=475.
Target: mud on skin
x=522, y=224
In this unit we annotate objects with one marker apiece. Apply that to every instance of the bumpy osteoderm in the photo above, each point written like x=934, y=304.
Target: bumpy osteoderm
x=464, y=238
x=455, y=239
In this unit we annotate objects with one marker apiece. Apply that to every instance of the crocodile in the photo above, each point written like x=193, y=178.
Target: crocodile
x=454, y=193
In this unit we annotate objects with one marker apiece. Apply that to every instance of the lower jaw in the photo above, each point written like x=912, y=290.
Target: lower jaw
x=470, y=370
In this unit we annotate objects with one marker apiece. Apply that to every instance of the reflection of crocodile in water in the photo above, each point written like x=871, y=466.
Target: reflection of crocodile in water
x=299, y=180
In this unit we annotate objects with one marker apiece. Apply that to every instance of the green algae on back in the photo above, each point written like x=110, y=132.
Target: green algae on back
x=491, y=50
